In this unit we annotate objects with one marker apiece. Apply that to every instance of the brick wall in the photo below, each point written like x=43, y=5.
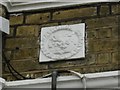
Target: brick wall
x=22, y=45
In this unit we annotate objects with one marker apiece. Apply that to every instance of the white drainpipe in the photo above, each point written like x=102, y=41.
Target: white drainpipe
x=93, y=80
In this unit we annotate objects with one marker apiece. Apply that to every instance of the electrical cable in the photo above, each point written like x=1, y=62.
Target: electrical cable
x=82, y=77
x=12, y=72
x=7, y=63
x=65, y=71
x=11, y=67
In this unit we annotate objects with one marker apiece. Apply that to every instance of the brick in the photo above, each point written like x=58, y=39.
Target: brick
x=36, y=72
x=103, y=68
x=8, y=54
x=92, y=45
x=25, y=53
x=116, y=9
x=74, y=13
x=41, y=74
x=91, y=58
x=28, y=74
x=27, y=66
x=16, y=19
x=103, y=45
x=59, y=65
x=78, y=69
x=12, y=43
x=102, y=22
x=115, y=32
x=103, y=58
x=104, y=10
x=10, y=78
x=28, y=31
x=108, y=45
x=101, y=33
x=37, y=18
x=105, y=32
x=93, y=33
x=93, y=68
x=49, y=24
x=115, y=57
x=66, y=64
x=71, y=22
x=11, y=32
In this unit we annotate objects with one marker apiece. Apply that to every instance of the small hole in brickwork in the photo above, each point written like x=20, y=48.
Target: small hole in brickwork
x=40, y=18
x=47, y=16
x=97, y=29
x=17, y=48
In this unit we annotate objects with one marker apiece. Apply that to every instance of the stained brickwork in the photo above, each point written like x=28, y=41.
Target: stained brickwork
x=101, y=19
x=16, y=19
x=37, y=18
x=71, y=13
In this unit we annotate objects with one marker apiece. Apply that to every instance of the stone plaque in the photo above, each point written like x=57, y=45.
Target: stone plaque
x=62, y=42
